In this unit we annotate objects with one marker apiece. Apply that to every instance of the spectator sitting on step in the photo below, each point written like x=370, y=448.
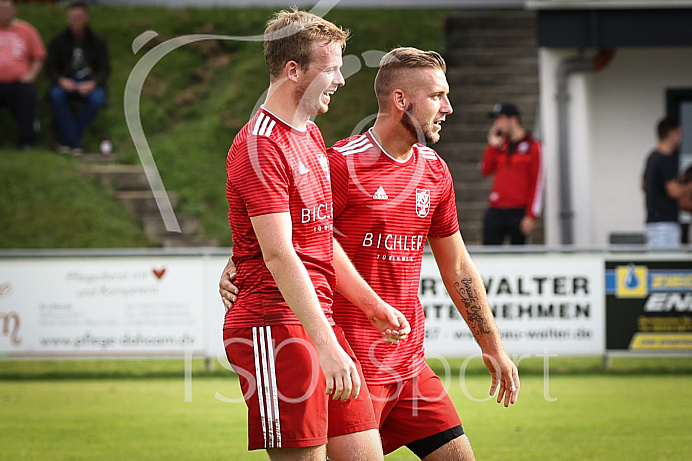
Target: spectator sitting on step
x=78, y=66
x=21, y=57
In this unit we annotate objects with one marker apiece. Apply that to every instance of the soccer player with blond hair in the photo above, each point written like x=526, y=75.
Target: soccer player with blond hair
x=280, y=337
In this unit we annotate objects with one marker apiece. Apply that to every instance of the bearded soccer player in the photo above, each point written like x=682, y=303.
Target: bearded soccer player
x=279, y=336
x=391, y=193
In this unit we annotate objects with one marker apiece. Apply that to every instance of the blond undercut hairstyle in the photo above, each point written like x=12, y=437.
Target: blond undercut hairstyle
x=390, y=74
x=290, y=36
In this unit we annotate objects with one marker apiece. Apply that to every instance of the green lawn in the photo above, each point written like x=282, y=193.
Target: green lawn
x=626, y=414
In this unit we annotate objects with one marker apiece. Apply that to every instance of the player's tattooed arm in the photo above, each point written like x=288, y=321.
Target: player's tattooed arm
x=465, y=285
x=475, y=316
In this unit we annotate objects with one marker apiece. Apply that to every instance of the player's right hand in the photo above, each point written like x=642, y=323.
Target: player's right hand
x=342, y=378
x=391, y=323
x=504, y=375
x=227, y=290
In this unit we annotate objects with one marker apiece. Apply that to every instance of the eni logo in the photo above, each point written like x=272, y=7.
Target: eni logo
x=631, y=281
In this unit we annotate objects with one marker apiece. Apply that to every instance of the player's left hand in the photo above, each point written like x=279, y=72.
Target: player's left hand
x=504, y=374
x=227, y=290
x=391, y=324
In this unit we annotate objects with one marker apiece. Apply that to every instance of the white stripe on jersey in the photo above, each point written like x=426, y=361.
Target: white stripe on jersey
x=538, y=193
x=268, y=132
x=256, y=128
x=360, y=140
x=355, y=151
x=264, y=126
x=427, y=153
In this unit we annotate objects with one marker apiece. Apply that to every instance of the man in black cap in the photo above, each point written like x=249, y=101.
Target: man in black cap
x=515, y=159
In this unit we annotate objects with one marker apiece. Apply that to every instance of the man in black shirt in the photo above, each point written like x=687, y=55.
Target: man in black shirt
x=79, y=67
x=663, y=188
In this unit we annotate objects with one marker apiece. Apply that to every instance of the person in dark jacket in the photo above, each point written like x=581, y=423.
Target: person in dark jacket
x=78, y=66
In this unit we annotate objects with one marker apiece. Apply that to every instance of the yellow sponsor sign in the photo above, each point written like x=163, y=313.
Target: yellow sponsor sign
x=661, y=341
x=631, y=281
x=674, y=281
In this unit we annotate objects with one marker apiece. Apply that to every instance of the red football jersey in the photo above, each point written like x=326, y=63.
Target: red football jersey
x=518, y=174
x=272, y=168
x=384, y=211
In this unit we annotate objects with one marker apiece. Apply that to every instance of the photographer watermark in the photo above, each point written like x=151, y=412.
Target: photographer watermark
x=449, y=375
x=140, y=72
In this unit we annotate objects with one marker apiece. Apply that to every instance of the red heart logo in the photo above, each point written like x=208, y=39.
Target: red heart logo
x=159, y=272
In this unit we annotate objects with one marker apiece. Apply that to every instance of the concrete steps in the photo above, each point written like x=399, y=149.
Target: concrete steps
x=491, y=57
x=132, y=190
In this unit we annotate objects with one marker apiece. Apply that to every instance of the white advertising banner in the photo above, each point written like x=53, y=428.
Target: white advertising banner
x=168, y=305
x=108, y=306
x=542, y=303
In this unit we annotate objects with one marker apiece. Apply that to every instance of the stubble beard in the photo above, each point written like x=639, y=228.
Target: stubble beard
x=309, y=107
x=415, y=129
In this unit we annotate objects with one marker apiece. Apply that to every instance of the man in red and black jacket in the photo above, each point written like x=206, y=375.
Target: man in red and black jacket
x=515, y=159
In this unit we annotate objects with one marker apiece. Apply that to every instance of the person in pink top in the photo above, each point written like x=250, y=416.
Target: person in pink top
x=21, y=58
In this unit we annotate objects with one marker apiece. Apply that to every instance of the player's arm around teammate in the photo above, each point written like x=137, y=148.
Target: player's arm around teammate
x=227, y=290
x=391, y=323
x=465, y=287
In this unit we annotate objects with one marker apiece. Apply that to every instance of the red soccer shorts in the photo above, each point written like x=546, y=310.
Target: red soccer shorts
x=412, y=409
x=285, y=390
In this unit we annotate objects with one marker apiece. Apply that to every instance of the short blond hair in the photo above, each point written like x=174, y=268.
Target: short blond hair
x=403, y=58
x=290, y=36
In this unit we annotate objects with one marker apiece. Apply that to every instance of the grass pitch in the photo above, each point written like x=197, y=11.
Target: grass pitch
x=628, y=414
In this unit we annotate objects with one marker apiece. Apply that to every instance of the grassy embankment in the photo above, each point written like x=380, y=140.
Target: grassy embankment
x=193, y=102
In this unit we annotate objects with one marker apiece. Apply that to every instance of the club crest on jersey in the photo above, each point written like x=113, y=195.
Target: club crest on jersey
x=422, y=202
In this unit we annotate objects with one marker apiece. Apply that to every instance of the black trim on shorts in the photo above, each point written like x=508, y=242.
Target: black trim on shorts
x=423, y=447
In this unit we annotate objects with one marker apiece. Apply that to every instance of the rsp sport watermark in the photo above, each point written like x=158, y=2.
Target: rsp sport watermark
x=352, y=64
x=453, y=375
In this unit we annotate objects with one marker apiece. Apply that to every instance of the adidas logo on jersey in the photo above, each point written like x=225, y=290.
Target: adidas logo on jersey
x=380, y=194
x=302, y=169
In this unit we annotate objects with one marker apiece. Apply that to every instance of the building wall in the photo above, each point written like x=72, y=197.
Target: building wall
x=613, y=116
